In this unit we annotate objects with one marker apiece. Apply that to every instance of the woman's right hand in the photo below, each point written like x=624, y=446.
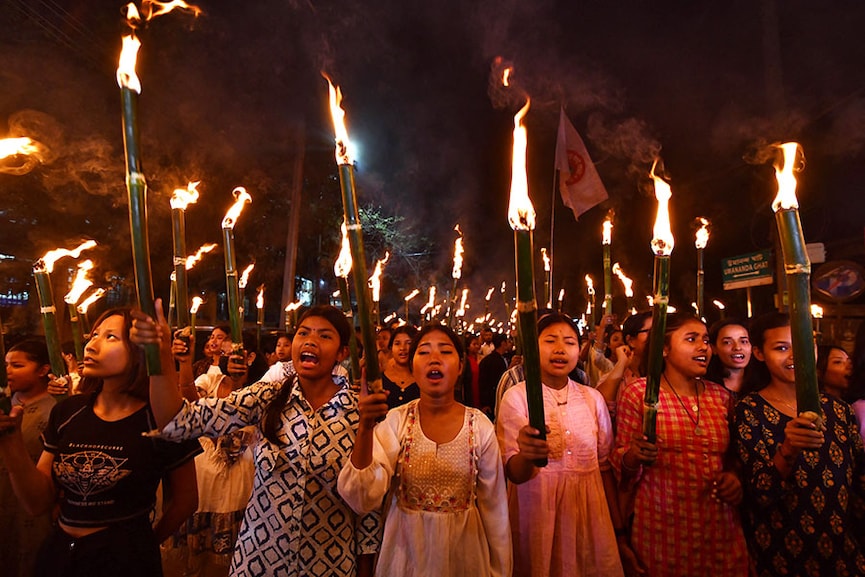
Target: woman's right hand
x=531, y=446
x=58, y=385
x=182, y=346
x=372, y=406
x=801, y=433
x=641, y=452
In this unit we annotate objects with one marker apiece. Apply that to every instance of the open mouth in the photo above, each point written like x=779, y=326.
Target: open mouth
x=434, y=375
x=738, y=357
x=308, y=358
x=559, y=363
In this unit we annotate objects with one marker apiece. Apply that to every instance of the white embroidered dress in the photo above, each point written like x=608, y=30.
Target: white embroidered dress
x=447, y=514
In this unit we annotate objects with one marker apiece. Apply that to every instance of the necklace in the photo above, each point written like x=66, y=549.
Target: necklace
x=560, y=395
x=774, y=399
x=698, y=430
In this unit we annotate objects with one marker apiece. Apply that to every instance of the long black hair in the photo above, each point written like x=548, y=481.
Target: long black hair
x=273, y=414
x=757, y=374
x=717, y=372
x=137, y=383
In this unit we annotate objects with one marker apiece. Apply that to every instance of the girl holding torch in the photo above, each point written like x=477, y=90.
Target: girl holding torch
x=295, y=524
x=564, y=515
x=445, y=508
x=100, y=469
x=685, y=494
x=801, y=476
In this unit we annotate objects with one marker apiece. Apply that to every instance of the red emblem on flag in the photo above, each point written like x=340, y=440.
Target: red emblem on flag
x=577, y=167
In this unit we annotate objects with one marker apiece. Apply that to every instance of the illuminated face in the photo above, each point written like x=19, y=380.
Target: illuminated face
x=107, y=353
x=316, y=348
x=617, y=339
x=474, y=346
x=559, y=348
x=213, y=346
x=283, y=349
x=688, y=352
x=838, y=368
x=777, y=353
x=733, y=347
x=23, y=375
x=638, y=343
x=436, y=365
x=400, y=348
x=486, y=336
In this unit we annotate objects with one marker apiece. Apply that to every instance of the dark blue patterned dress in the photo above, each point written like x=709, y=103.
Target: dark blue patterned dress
x=800, y=525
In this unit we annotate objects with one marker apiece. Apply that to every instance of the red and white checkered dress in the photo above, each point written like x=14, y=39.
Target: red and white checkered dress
x=679, y=528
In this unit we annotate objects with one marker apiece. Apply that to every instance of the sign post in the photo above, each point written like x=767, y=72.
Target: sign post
x=746, y=271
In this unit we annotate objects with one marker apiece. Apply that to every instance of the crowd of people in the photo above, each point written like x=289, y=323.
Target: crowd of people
x=275, y=461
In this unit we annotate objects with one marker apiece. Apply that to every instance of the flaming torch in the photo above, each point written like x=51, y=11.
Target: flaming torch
x=42, y=269
x=592, y=302
x=409, y=297
x=561, y=300
x=627, y=284
x=291, y=317
x=20, y=147
x=79, y=286
x=180, y=199
x=505, y=300
x=429, y=307
x=607, y=240
x=721, y=308
x=817, y=315
x=548, y=295
x=242, y=198
x=456, y=273
x=341, y=268
x=193, y=312
x=375, y=285
x=662, y=247
x=797, y=267
x=700, y=242
x=521, y=216
x=85, y=305
x=355, y=235
x=487, y=300
x=259, y=321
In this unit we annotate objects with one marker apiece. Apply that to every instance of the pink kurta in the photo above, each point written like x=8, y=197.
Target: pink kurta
x=560, y=519
x=680, y=529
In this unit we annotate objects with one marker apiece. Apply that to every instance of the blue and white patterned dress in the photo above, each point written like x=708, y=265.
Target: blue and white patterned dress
x=295, y=524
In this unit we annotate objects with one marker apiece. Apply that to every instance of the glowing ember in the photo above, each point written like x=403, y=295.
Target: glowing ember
x=375, y=279
x=342, y=266
x=702, y=238
x=627, y=283
x=521, y=212
x=817, y=311
x=244, y=277
x=95, y=296
x=546, y=259
x=791, y=161
x=608, y=230
x=458, y=254
x=183, y=197
x=337, y=114
x=721, y=306
x=259, y=302
x=242, y=198
x=81, y=283
x=192, y=260
x=411, y=295
x=46, y=263
x=662, y=240
x=196, y=304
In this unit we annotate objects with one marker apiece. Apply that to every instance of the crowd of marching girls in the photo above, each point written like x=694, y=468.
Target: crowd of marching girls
x=255, y=462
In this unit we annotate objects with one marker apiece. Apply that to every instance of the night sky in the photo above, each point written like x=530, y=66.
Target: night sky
x=232, y=97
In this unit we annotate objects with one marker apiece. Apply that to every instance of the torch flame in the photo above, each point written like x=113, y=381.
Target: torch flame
x=337, y=115
x=292, y=306
x=817, y=311
x=702, y=238
x=375, y=279
x=18, y=145
x=546, y=259
x=792, y=160
x=521, y=213
x=662, y=240
x=561, y=295
x=183, y=197
x=721, y=306
x=626, y=282
x=506, y=76
x=458, y=254
x=608, y=230
x=489, y=294
x=126, y=76
x=46, y=263
x=81, y=283
x=411, y=295
x=461, y=311
x=244, y=276
x=590, y=285
x=259, y=302
x=192, y=260
x=95, y=296
x=431, y=302
x=196, y=304
x=342, y=266
x=503, y=286
x=242, y=198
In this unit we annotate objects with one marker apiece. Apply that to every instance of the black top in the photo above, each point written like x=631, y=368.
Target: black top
x=398, y=396
x=107, y=470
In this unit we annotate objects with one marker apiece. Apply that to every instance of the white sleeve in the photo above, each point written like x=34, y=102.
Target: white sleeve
x=364, y=489
x=492, y=498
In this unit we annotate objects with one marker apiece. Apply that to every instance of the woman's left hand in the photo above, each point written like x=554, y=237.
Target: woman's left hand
x=727, y=488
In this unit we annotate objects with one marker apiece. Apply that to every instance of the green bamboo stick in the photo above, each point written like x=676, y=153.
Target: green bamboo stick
x=3, y=359
x=48, y=311
x=608, y=282
x=701, y=283
x=656, y=345
x=178, y=237
x=345, y=299
x=232, y=287
x=77, y=335
x=797, y=267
